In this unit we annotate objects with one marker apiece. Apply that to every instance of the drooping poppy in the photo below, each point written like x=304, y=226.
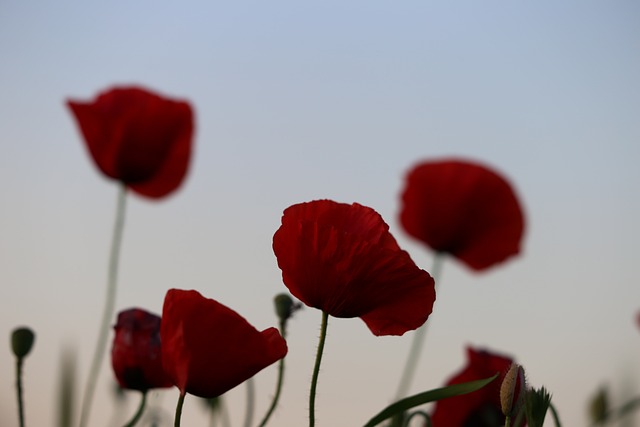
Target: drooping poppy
x=340, y=258
x=481, y=408
x=464, y=209
x=208, y=349
x=138, y=137
x=136, y=357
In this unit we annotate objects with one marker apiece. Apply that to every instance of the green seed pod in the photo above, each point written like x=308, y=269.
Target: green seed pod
x=22, y=341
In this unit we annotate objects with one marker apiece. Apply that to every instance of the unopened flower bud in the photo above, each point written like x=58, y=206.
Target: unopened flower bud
x=22, y=341
x=513, y=390
x=285, y=307
x=599, y=407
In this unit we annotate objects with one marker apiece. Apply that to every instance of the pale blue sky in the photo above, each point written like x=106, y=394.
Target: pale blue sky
x=297, y=101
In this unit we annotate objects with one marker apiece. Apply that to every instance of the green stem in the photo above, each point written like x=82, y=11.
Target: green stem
x=418, y=340
x=554, y=414
x=176, y=422
x=423, y=414
x=316, y=370
x=109, y=305
x=276, y=396
x=19, y=390
x=139, y=412
x=507, y=422
x=251, y=399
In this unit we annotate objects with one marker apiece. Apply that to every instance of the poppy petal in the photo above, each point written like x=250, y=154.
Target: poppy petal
x=138, y=137
x=464, y=209
x=341, y=259
x=208, y=348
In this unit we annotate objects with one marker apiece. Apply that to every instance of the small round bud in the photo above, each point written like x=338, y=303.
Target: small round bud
x=22, y=341
x=285, y=307
x=512, y=390
x=599, y=407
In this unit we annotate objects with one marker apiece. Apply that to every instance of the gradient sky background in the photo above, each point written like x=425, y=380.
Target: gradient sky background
x=297, y=101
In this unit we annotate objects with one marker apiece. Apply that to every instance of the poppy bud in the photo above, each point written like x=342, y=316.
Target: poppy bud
x=512, y=391
x=22, y=341
x=599, y=406
x=285, y=307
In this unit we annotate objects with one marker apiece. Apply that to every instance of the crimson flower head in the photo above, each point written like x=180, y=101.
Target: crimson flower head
x=464, y=209
x=137, y=137
x=341, y=259
x=136, y=357
x=208, y=349
x=481, y=408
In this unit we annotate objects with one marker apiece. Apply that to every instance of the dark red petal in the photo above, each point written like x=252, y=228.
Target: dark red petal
x=208, y=348
x=464, y=209
x=463, y=410
x=138, y=137
x=342, y=260
x=136, y=355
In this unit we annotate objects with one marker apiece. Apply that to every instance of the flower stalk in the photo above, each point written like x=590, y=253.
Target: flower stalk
x=316, y=369
x=110, y=299
x=139, y=412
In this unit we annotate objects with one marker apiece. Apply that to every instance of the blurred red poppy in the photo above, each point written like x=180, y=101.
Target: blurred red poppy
x=138, y=137
x=341, y=259
x=464, y=209
x=136, y=357
x=481, y=408
x=208, y=349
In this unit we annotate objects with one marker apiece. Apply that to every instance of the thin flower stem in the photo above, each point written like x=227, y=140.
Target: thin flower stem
x=423, y=414
x=139, y=412
x=418, y=339
x=316, y=370
x=176, y=422
x=276, y=396
x=507, y=422
x=554, y=414
x=110, y=299
x=251, y=400
x=19, y=390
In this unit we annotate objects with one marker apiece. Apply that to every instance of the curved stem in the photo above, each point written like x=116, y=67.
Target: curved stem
x=176, y=422
x=109, y=305
x=316, y=370
x=19, y=390
x=423, y=414
x=418, y=339
x=554, y=414
x=139, y=412
x=276, y=396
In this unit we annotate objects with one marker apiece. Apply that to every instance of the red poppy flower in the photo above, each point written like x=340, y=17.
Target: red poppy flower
x=341, y=259
x=464, y=209
x=481, y=408
x=136, y=356
x=138, y=137
x=208, y=349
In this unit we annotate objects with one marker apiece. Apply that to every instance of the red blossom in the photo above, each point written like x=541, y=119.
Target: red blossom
x=464, y=209
x=138, y=137
x=136, y=357
x=208, y=349
x=341, y=259
x=481, y=408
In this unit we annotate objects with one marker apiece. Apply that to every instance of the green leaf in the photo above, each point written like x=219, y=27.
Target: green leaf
x=426, y=397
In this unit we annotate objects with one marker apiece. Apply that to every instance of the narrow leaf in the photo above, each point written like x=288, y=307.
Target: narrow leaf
x=426, y=397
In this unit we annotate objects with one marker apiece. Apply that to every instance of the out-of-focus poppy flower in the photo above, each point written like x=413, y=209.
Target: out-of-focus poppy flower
x=138, y=137
x=464, y=209
x=341, y=259
x=208, y=349
x=136, y=357
x=481, y=408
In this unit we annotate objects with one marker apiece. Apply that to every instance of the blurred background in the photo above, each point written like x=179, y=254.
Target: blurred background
x=298, y=101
